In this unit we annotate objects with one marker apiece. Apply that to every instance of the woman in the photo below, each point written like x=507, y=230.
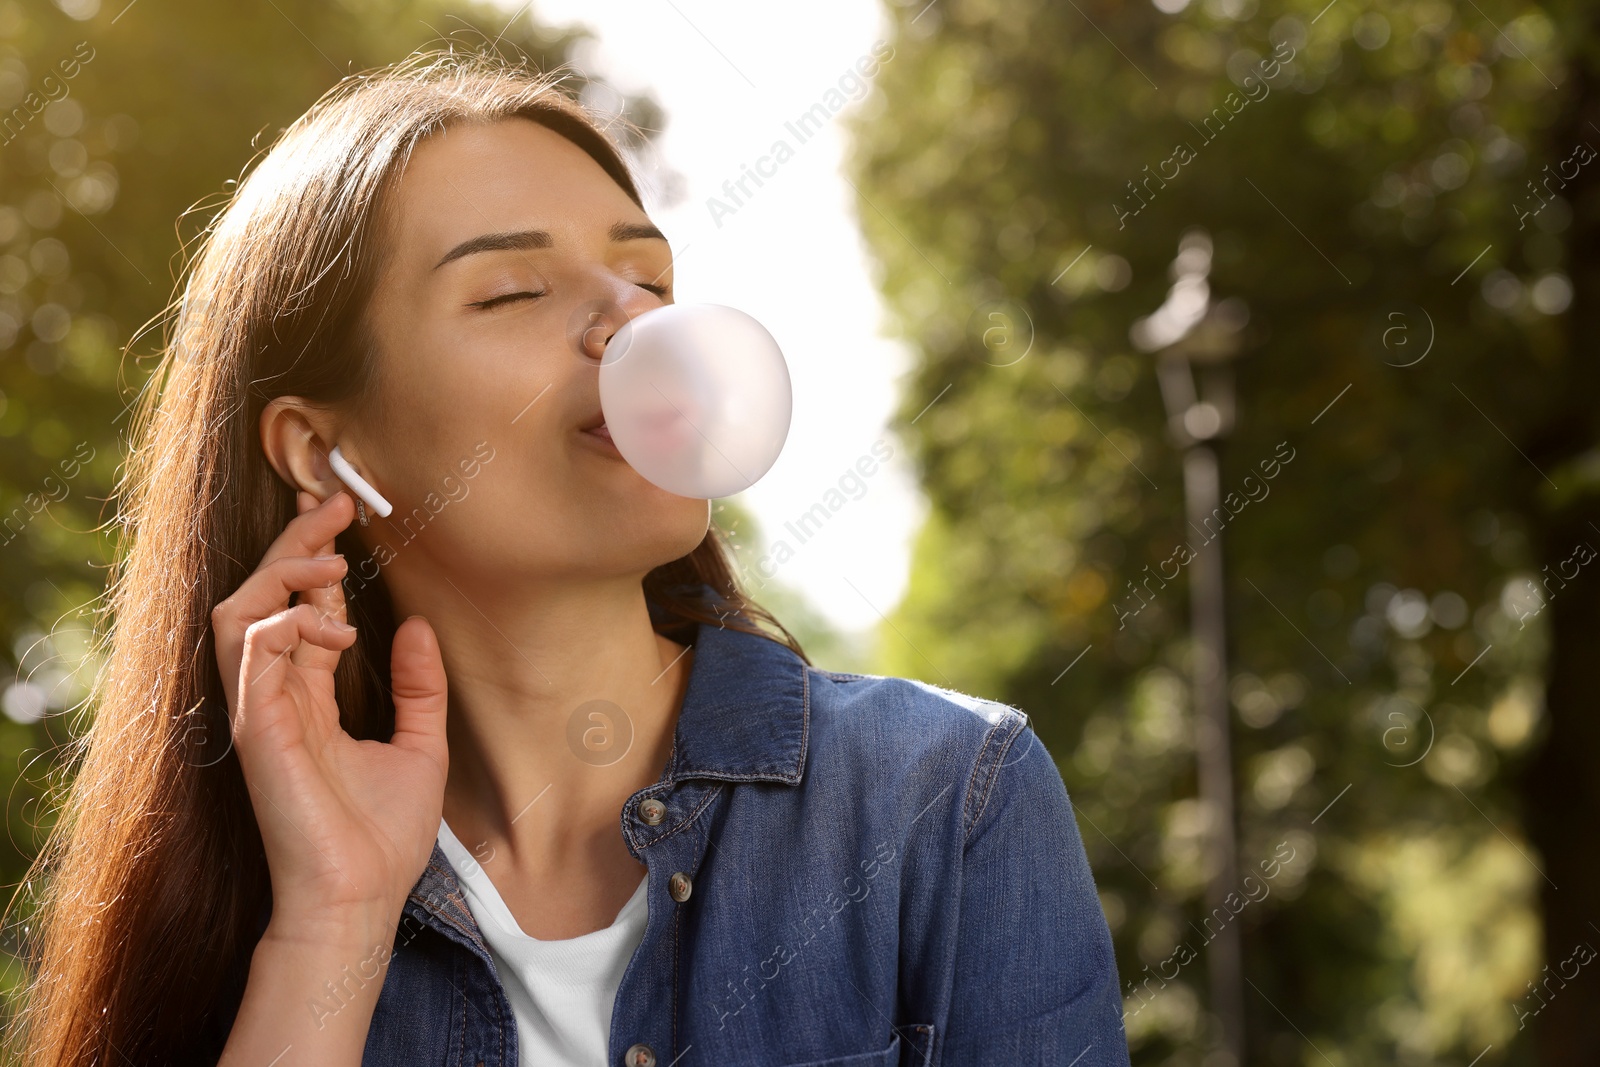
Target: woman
x=353, y=789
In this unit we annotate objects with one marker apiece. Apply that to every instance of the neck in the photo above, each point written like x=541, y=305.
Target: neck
x=563, y=702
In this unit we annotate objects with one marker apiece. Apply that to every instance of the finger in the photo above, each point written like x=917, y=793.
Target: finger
x=264, y=593
x=267, y=645
x=326, y=597
x=416, y=673
x=315, y=525
x=311, y=532
x=328, y=603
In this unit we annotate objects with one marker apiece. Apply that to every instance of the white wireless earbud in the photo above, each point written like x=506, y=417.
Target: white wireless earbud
x=358, y=485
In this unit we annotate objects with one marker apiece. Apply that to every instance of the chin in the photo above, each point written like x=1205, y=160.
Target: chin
x=691, y=520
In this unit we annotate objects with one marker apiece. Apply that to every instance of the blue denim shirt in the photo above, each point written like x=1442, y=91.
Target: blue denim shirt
x=850, y=871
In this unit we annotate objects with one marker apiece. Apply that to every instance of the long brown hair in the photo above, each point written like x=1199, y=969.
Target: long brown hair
x=155, y=872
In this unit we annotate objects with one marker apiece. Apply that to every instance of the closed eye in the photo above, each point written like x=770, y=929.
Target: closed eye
x=496, y=301
x=506, y=298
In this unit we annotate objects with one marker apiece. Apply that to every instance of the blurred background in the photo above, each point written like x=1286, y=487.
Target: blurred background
x=1220, y=367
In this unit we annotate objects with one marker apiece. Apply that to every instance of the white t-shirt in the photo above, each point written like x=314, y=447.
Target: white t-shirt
x=561, y=992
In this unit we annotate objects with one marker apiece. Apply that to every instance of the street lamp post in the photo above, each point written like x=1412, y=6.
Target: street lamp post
x=1202, y=424
x=1194, y=342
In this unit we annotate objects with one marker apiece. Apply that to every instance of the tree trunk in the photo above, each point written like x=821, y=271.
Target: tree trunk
x=1562, y=783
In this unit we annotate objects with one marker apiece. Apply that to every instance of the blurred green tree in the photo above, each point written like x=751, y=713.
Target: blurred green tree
x=825, y=645
x=1337, y=193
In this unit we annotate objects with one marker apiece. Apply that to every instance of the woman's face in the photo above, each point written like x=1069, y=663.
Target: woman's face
x=510, y=258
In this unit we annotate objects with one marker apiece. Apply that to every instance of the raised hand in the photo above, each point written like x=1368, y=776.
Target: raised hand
x=347, y=825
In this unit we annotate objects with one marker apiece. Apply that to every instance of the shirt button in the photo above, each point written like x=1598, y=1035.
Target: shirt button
x=652, y=811
x=678, y=886
x=639, y=1056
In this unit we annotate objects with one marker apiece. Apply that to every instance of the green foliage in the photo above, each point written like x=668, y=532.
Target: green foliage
x=1363, y=176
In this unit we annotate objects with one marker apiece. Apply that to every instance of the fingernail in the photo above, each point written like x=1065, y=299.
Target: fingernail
x=336, y=555
x=340, y=625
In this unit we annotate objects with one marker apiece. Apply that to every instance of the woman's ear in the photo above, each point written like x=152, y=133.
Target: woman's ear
x=296, y=436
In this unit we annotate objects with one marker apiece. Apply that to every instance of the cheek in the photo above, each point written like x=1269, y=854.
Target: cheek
x=450, y=381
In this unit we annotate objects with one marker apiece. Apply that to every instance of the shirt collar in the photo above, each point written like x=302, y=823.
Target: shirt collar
x=746, y=711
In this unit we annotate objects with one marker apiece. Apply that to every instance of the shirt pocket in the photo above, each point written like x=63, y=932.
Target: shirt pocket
x=885, y=1057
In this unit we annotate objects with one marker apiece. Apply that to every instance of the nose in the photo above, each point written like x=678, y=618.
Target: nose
x=599, y=319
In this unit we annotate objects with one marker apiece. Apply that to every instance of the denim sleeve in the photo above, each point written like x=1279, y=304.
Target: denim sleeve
x=1035, y=978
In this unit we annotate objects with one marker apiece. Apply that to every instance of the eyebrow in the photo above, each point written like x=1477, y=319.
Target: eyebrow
x=527, y=239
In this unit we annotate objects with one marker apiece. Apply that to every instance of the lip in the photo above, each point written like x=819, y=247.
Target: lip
x=600, y=436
